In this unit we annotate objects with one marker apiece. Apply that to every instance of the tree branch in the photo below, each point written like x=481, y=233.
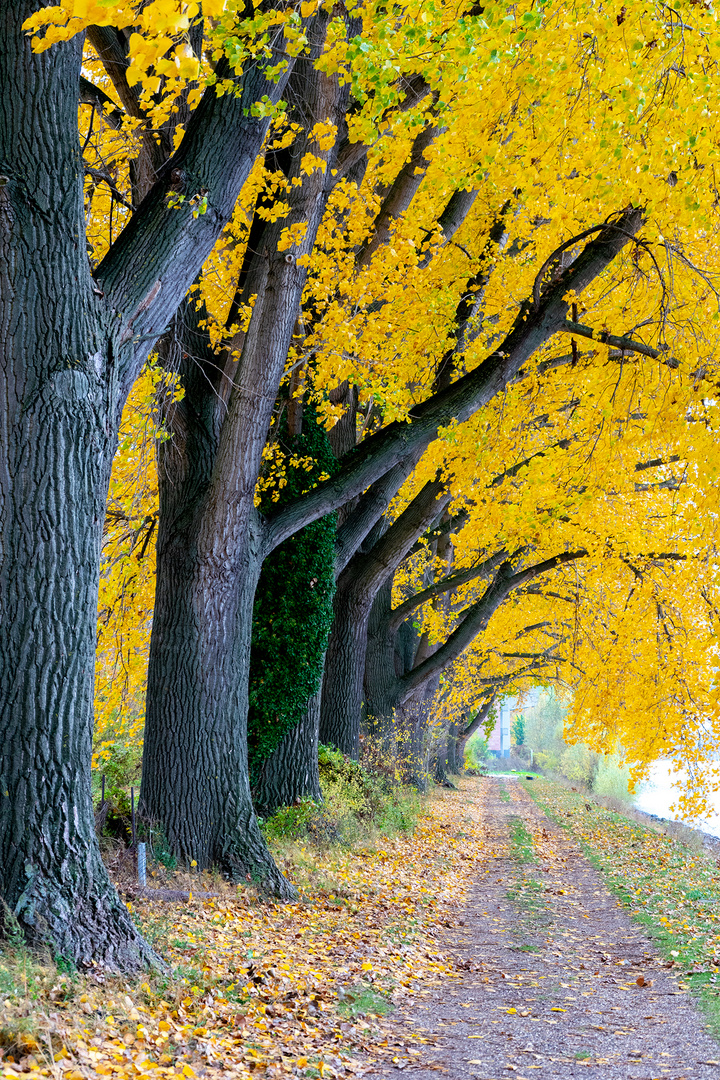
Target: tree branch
x=453, y=581
x=563, y=444
x=380, y=452
x=160, y=251
x=401, y=193
x=370, y=509
x=351, y=154
x=625, y=343
x=478, y=616
x=369, y=569
x=93, y=95
x=479, y=718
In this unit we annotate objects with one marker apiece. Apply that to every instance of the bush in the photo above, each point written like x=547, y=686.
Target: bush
x=602, y=774
x=476, y=751
x=357, y=803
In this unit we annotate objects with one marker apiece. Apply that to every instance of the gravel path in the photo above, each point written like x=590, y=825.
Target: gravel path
x=556, y=980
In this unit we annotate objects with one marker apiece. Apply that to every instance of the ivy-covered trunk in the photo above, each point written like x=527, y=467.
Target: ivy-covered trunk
x=291, y=625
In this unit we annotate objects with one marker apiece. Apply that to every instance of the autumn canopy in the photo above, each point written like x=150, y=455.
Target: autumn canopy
x=364, y=356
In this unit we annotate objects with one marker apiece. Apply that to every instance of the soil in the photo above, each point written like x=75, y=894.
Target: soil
x=556, y=980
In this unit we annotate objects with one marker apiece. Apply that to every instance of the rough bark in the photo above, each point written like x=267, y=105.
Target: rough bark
x=344, y=662
x=195, y=708
x=291, y=772
x=356, y=590
x=210, y=554
x=57, y=388
x=454, y=761
x=71, y=349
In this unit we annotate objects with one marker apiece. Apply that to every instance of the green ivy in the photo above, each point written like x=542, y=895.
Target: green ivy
x=293, y=609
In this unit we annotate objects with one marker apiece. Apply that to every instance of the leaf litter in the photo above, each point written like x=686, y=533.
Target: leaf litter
x=263, y=988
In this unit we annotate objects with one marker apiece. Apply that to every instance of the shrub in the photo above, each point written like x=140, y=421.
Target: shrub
x=476, y=751
x=357, y=802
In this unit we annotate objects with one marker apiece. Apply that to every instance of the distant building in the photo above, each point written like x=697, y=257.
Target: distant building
x=499, y=741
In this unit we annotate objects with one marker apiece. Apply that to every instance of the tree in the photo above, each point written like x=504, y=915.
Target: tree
x=73, y=343
x=349, y=267
x=212, y=542
x=209, y=521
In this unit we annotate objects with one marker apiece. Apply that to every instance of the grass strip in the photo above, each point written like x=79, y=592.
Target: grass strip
x=672, y=890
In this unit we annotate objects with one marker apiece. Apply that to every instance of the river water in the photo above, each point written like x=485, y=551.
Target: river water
x=658, y=793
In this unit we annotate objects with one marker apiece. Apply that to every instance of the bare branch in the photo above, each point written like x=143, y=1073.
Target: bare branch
x=626, y=344
x=93, y=95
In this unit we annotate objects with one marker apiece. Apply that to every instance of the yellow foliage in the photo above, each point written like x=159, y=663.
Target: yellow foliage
x=127, y=576
x=559, y=116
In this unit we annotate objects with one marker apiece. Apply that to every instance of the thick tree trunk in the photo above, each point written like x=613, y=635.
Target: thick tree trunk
x=342, y=688
x=57, y=388
x=357, y=587
x=195, y=775
x=210, y=548
x=454, y=760
x=460, y=742
x=291, y=772
x=195, y=784
x=381, y=679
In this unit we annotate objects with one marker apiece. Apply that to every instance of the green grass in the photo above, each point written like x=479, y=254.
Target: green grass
x=672, y=890
x=361, y=999
x=521, y=842
x=504, y=793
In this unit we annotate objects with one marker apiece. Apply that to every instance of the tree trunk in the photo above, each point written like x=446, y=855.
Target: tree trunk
x=211, y=547
x=344, y=668
x=291, y=772
x=460, y=742
x=357, y=587
x=195, y=775
x=455, y=762
x=380, y=676
x=58, y=387
x=195, y=784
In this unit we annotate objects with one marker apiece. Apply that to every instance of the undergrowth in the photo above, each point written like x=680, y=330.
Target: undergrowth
x=290, y=989
x=359, y=806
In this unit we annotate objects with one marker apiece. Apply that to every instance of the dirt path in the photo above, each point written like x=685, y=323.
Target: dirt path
x=551, y=963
